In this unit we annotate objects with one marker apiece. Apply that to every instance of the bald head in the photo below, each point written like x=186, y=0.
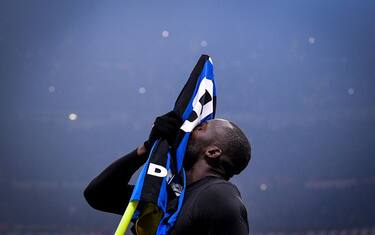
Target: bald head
x=236, y=150
x=221, y=144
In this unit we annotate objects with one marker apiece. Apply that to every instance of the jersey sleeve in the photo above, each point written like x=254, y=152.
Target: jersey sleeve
x=110, y=191
x=220, y=210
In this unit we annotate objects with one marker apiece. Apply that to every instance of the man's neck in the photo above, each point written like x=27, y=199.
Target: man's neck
x=199, y=171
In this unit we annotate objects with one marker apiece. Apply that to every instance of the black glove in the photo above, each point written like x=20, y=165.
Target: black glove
x=165, y=127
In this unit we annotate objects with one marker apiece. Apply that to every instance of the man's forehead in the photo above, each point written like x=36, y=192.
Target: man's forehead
x=221, y=122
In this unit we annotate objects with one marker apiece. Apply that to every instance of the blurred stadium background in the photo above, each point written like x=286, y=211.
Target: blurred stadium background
x=81, y=82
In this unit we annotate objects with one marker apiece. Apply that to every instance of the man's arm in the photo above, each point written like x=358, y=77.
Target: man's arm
x=109, y=191
x=219, y=210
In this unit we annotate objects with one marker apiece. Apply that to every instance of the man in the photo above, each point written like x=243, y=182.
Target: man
x=217, y=150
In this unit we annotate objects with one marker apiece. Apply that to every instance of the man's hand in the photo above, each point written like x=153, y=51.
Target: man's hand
x=141, y=150
x=165, y=127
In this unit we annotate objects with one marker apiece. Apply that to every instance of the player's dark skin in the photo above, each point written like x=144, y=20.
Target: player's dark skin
x=208, y=132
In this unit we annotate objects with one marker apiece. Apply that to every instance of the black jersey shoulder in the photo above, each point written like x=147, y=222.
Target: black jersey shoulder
x=212, y=194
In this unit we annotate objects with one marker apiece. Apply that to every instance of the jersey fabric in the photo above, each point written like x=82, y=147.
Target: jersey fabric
x=211, y=205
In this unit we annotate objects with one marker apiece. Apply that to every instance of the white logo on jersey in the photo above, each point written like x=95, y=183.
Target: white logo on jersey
x=157, y=170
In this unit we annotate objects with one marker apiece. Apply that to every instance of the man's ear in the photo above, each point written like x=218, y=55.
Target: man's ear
x=212, y=152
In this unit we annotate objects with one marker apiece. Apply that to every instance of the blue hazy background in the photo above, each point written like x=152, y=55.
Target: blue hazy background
x=82, y=81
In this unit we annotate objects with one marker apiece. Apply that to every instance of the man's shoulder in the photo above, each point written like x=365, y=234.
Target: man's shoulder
x=219, y=192
x=220, y=203
x=220, y=186
x=213, y=206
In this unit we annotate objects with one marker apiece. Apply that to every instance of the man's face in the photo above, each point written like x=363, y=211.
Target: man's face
x=203, y=135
